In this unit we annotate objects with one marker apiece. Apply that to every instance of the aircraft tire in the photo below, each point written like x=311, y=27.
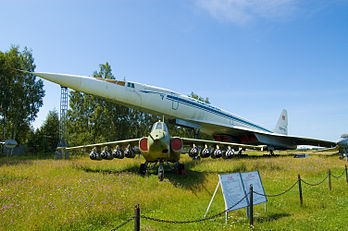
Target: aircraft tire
x=142, y=169
x=160, y=175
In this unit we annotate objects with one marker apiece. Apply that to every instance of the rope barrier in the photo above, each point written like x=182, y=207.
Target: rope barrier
x=276, y=195
x=316, y=183
x=194, y=221
x=138, y=216
x=124, y=223
x=338, y=175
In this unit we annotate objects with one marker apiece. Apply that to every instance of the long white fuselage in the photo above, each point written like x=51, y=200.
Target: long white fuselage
x=154, y=100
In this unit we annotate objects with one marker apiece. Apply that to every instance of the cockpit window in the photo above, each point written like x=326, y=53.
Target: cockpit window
x=344, y=136
x=131, y=85
x=154, y=127
x=165, y=127
x=159, y=126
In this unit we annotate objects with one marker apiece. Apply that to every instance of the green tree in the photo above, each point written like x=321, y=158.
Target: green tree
x=45, y=139
x=21, y=94
x=50, y=131
x=195, y=96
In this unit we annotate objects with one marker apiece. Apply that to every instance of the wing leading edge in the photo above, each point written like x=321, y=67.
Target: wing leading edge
x=112, y=143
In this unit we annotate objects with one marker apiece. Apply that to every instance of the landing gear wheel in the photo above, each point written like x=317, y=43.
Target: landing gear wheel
x=160, y=175
x=142, y=169
x=160, y=171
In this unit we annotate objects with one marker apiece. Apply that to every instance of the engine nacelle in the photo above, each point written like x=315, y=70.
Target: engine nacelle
x=205, y=152
x=118, y=153
x=95, y=155
x=106, y=154
x=176, y=144
x=194, y=151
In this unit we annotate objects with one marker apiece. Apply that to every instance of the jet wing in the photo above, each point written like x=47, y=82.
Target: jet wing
x=268, y=138
x=99, y=145
x=190, y=141
x=336, y=148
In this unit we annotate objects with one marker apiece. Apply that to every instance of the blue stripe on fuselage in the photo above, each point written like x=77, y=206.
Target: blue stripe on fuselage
x=214, y=110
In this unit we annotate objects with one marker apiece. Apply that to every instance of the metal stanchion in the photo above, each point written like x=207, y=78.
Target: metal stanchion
x=137, y=218
x=329, y=179
x=251, y=206
x=300, y=189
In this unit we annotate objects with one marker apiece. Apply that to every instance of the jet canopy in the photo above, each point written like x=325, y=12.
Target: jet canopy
x=159, y=126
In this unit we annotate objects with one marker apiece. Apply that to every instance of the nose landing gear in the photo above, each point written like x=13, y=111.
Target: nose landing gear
x=144, y=168
x=160, y=173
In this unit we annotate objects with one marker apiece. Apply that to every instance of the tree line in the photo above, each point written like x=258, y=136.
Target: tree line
x=90, y=119
x=20, y=93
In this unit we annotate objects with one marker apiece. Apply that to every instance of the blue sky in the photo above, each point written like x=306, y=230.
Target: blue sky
x=252, y=58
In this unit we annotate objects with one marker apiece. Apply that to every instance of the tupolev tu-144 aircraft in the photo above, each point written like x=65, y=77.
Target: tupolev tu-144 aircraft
x=228, y=129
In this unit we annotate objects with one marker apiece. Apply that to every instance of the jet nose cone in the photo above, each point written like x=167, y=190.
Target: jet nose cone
x=71, y=81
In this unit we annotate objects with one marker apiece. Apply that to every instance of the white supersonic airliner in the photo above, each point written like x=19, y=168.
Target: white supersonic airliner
x=186, y=111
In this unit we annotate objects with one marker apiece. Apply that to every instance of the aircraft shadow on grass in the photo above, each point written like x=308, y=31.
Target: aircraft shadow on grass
x=193, y=180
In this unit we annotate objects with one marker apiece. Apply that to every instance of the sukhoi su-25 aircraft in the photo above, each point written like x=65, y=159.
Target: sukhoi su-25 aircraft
x=228, y=130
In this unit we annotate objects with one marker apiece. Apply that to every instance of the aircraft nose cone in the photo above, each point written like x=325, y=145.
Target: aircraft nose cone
x=71, y=81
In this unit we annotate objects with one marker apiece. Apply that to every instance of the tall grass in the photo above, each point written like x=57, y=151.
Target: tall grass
x=80, y=194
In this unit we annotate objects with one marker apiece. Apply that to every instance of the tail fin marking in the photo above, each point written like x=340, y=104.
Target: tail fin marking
x=282, y=124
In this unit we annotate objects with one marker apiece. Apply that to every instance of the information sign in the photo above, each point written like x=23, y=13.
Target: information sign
x=235, y=186
x=253, y=178
x=233, y=190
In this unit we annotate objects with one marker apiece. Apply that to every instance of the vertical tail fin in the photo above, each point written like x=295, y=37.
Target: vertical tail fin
x=282, y=124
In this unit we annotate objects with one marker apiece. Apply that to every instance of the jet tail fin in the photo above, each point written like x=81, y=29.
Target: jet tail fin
x=282, y=124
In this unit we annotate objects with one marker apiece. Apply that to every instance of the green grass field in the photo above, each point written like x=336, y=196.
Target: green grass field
x=80, y=194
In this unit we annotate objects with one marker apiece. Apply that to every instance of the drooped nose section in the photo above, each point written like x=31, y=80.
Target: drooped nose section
x=71, y=81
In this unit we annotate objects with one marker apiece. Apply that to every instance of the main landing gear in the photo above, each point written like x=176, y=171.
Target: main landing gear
x=180, y=168
x=271, y=151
